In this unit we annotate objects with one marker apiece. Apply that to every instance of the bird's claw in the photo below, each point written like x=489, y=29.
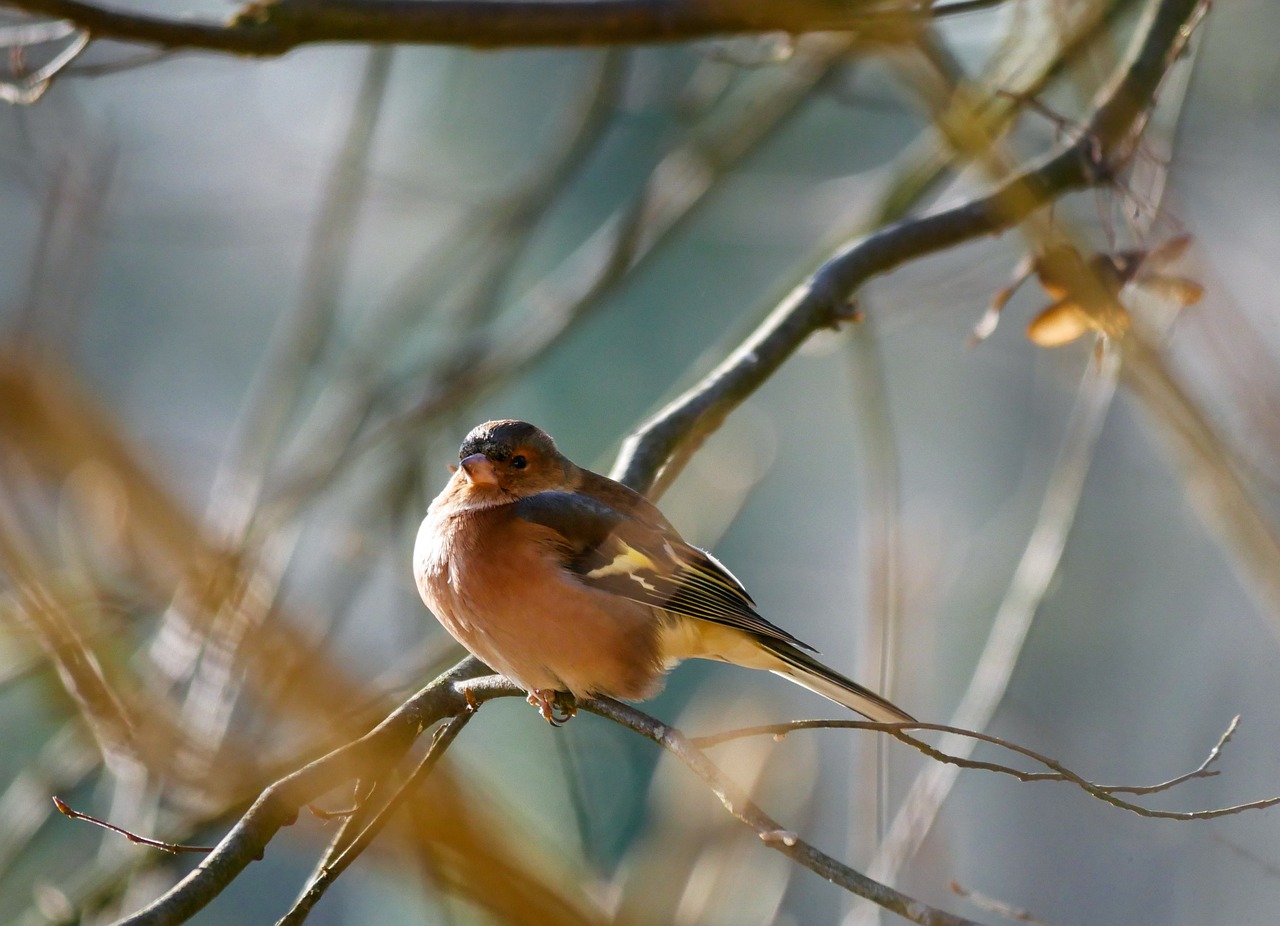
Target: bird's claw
x=556, y=707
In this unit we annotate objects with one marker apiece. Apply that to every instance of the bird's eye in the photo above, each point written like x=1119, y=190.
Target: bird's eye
x=519, y=462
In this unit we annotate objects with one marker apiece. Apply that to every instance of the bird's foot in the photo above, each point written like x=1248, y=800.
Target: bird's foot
x=557, y=707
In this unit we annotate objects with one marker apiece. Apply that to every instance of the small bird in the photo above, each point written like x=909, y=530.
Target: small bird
x=569, y=583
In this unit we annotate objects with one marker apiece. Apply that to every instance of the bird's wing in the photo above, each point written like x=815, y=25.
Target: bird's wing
x=607, y=550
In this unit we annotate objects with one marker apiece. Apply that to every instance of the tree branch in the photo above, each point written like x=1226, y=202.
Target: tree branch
x=370, y=756
x=652, y=457
x=771, y=833
x=273, y=27
x=324, y=877
x=459, y=692
x=456, y=694
x=1057, y=771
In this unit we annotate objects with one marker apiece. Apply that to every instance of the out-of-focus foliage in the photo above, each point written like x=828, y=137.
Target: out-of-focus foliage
x=249, y=308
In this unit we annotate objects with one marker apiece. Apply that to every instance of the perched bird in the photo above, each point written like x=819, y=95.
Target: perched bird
x=566, y=581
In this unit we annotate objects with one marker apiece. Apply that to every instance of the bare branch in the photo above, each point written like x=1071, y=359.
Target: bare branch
x=1201, y=771
x=370, y=756
x=771, y=833
x=1057, y=771
x=273, y=27
x=172, y=847
x=658, y=450
x=455, y=695
x=324, y=877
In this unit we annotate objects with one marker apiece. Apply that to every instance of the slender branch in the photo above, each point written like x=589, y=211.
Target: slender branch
x=1057, y=771
x=458, y=692
x=325, y=876
x=999, y=907
x=370, y=756
x=171, y=847
x=1200, y=771
x=656, y=452
x=771, y=833
x=273, y=27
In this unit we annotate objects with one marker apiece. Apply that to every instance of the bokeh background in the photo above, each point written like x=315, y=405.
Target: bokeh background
x=250, y=308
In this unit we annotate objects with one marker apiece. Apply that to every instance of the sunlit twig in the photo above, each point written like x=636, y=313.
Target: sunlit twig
x=999, y=907
x=1057, y=771
x=171, y=847
x=324, y=877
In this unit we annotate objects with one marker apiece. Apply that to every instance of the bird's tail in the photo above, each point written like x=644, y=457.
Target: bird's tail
x=803, y=669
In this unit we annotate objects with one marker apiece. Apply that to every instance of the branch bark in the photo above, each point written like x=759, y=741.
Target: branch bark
x=273, y=27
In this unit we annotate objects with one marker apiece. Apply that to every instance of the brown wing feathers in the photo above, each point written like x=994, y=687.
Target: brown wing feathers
x=611, y=552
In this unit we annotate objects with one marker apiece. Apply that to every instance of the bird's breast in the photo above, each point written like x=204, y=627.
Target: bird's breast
x=500, y=588
x=432, y=553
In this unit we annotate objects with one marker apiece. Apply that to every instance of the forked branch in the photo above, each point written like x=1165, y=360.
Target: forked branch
x=658, y=450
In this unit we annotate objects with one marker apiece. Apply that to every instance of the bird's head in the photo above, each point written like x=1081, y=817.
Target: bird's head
x=511, y=458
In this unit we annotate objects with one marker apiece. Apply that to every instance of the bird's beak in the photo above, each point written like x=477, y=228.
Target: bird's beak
x=479, y=470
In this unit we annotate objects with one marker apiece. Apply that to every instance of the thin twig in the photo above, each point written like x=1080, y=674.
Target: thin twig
x=323, y=879
x=1201, y=771
x=998, y=907
x=1057, y=771
x=65, y=760
x=770, y=832
x=67, y=811
x=370, y=756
